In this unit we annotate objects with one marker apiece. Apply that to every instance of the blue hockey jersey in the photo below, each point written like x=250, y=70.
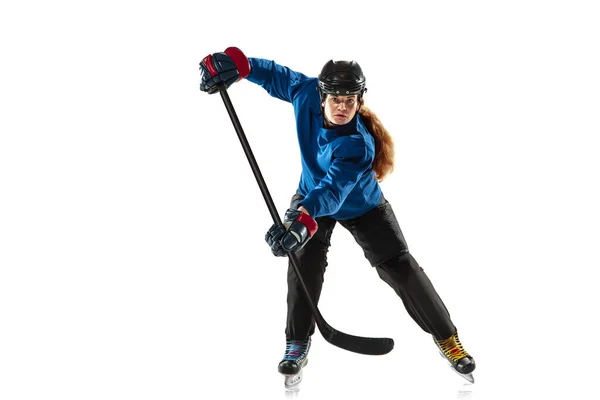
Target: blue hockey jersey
x=337, y=178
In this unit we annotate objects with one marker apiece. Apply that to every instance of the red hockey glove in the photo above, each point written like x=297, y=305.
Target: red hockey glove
x=223, y=68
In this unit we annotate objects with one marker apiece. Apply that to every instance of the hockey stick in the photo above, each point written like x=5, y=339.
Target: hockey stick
x=357, y=344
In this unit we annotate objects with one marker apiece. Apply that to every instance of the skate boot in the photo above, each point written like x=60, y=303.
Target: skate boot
x=295, y=358
x=460, y=361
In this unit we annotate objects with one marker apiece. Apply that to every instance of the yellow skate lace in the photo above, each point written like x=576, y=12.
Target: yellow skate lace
x=452, y=348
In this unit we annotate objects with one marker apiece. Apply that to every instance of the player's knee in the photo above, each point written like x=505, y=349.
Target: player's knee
x=400, y=268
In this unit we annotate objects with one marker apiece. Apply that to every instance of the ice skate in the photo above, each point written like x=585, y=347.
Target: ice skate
x=460, y=361
x=294, y=360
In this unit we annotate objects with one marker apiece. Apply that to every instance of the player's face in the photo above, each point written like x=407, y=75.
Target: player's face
x=340, y=110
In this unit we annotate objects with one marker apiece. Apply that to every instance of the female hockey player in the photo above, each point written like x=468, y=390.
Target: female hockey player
x=345, y=152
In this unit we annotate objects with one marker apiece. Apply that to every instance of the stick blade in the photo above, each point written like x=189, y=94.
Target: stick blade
x=358, y=344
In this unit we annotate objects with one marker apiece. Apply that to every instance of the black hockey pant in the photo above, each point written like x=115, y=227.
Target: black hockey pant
x=380, y=237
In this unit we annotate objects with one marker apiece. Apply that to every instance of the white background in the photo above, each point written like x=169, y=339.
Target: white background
x=132, y=257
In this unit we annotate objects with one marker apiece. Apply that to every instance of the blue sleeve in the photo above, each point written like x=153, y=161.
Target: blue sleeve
x=349, y=163
x=279, y=81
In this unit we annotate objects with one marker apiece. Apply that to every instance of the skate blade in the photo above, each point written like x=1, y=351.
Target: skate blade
x=291, y=381
x=469, y=377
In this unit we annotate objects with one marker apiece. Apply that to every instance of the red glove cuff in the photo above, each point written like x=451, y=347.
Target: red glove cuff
x=240, y=61
x=309, y=222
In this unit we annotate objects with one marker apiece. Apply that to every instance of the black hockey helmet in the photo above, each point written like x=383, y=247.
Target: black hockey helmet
x=343, y=78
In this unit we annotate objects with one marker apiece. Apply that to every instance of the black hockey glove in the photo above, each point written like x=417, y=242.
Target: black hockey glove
x=296, y=231
x=223, y=68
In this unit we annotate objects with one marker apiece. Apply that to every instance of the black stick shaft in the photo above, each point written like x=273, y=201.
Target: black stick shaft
x=264, y=190
x=250, y=155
